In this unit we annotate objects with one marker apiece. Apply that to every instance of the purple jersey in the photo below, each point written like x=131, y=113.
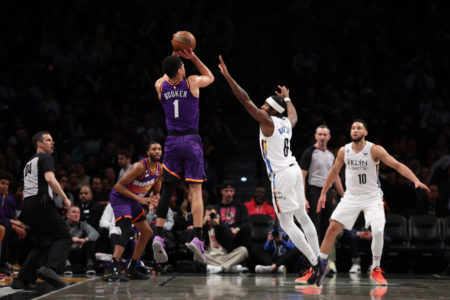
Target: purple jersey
x=180, y=106
x=140, y=186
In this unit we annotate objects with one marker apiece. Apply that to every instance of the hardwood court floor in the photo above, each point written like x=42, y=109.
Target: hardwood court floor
x=250, y=286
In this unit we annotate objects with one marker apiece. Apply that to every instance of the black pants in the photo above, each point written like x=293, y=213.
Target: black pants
x=321, y=220
x=52, y=240
x=84, y=255
x=291, y=259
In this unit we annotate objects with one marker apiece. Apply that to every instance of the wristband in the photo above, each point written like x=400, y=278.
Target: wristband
x=287, y=99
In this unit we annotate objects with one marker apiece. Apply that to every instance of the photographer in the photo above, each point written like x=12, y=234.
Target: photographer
x=280, y=254
x=221, y=256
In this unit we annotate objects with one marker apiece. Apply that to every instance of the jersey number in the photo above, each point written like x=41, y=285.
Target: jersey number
x=175, y=108
x=27, y=169
x=362, y=178
x=286, y=147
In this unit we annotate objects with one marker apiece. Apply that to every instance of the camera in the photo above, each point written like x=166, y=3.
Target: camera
x=275, y=232
x=212, y=215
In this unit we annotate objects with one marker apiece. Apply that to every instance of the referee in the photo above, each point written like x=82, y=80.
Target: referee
x=52, y=240
x=315, y=163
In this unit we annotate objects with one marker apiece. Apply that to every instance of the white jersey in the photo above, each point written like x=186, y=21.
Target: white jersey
x=276, y=149
x=361, y=171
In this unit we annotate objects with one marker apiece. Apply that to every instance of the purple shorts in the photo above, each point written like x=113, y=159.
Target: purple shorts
x=183, y=155
x=126, y=208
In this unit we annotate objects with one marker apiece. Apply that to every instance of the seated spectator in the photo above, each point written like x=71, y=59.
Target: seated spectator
x=234, y=214
x=123, y=161
x=98, y=195
x=280, y=254
x=259, y=204
x=431, y=203
x=91, y=211
x=14, y=229
x=221, y=254
x=108, y=222
x=83, y=247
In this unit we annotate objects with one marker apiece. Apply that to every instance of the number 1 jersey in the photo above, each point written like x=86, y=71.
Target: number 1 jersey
x=361, y=171
x=180, y=106
x=276, y=149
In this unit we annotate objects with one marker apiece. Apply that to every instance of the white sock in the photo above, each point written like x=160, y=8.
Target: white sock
x=376, y=261
x=323, y=255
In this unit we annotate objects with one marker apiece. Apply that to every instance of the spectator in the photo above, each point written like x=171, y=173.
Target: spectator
x=91, y=212
x=280, y=254
x=234, y=214
x=431, y=203
x=83, y=247
x=221, y=255
x=98, y=194
x=259, y=204
x=124, y=162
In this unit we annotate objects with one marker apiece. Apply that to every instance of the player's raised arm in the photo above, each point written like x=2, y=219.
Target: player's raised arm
x=256, y=113
x=206, y=77
x=291, y=111
x=378, y=152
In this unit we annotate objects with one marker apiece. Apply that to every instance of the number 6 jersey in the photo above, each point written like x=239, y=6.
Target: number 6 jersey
x=361, y=171
x=276, y=149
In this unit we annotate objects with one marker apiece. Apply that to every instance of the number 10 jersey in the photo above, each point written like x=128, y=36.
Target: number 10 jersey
x=361, y=171
x=276, y=149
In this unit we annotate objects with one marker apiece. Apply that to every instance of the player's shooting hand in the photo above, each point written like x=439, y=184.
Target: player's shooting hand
x=284, y=91
x=419, y=184
x=223, y=67
x=321, y=203
x=186, y=54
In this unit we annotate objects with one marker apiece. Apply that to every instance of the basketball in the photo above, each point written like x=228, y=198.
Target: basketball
x=183, y=40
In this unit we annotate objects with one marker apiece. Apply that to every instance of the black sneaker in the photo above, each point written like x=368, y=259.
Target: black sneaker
x=50, y=276
x=322, y=268
x=114, y=273
x=19, y=284
x=137, y=275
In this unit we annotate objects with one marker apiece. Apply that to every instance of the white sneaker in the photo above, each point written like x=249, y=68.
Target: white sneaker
x=263, y=269
x=356, y=268
x=281, y=269
x=332, y=267
x=236, y=269
x=210, y=269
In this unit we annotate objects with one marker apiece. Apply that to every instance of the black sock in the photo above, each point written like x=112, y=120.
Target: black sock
x=198, y=233
x=159, y=231
x=132, y=265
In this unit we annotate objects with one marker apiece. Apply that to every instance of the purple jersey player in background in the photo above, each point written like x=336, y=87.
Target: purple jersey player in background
x=127, y=198
x=183, y=153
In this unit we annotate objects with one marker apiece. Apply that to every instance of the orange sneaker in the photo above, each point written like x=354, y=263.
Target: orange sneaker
x=304, y=279
x=377, y=276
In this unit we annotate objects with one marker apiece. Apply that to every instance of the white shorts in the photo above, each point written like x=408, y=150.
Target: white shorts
x=287, y=190
x=347, y=211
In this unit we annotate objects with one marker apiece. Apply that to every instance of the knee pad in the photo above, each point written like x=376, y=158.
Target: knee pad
x=127, y=231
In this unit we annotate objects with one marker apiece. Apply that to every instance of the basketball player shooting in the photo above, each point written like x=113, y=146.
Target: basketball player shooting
x=284, y=173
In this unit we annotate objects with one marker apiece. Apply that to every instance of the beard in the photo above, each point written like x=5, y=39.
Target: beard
x=358, y=139
x=154, y=159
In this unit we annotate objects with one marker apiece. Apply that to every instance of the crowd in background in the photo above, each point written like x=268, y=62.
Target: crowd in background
x=85, y=71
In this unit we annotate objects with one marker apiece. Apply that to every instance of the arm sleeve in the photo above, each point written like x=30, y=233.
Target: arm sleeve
x=305, y=160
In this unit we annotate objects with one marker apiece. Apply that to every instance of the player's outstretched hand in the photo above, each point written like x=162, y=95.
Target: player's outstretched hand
x=284, y=91
x=187, y=54
x=321, y=203
x=223, y=67
x=419, y=184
